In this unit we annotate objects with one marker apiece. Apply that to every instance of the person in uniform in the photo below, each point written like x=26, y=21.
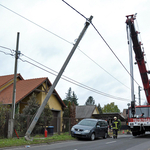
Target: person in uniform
x=115, y=126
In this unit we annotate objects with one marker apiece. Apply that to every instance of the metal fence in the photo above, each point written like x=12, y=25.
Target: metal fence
x=22, y=122
x=4, y=126
x=56, y=125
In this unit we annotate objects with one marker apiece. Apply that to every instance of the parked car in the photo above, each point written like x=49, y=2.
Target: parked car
x=90, y=129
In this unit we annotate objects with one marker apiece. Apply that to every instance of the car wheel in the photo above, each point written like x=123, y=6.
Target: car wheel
x=92, y=137
x=105, y=136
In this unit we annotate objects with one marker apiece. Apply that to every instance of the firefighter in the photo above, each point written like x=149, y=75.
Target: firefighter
x=115, y=126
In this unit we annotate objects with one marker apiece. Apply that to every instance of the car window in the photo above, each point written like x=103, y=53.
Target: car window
x=105, y=123
x=101, y=123
x=87, y=122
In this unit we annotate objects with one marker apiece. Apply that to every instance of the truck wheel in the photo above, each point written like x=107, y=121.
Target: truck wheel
x=92, y=137
x=134, y=133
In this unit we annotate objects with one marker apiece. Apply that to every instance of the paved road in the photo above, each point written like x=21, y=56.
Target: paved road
x=124, y=142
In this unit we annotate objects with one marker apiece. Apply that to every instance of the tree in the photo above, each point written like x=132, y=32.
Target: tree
x=4, y=113
x=73, y=114
x=90, y=101
x=99, y=109
x=29, y=111
x=69, y=117
x=110, y=108
x=70, y=97
x=66, y=102
x=74, y=99
x=33, y=106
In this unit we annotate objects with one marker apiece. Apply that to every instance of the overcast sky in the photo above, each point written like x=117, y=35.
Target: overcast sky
x=93, y=64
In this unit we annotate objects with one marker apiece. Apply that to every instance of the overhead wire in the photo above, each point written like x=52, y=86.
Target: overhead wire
x=101, y=38
x=80, y=84
x=6, y=53
x=63, y=38
x=71, y=80
x=104, y=69
x=12, y=51
x=57, y=72
x=35, y=24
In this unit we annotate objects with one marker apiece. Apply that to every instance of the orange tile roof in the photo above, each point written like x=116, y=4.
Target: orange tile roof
x=5, y=79
x=23, y=89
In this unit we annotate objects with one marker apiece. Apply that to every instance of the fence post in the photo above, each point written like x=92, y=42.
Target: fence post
x=59, y=125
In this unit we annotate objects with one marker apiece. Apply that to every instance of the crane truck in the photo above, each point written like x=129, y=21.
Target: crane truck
x=139, y=116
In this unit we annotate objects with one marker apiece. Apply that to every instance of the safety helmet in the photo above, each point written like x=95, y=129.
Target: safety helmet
x=115, y=117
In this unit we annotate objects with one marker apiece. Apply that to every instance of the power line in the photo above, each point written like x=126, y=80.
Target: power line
x=63, y=75
x=112, y=51
x=68, y=79
x=73, y=81
x=80, y=84
x=6, y=53
x=104, y=69
x=35, y=24
x=75, y=10
x=63, y=38
x=12, y=51
x=57, y=35
x=102, y=39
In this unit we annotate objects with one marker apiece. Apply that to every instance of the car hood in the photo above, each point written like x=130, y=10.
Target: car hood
x=83, y=127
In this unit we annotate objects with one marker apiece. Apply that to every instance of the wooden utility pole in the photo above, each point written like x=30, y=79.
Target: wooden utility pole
x=11, y=121
x=40, y=110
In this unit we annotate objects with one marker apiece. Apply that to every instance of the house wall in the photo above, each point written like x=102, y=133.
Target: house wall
x=55, y=106
x=96, y=111
x=52, y=102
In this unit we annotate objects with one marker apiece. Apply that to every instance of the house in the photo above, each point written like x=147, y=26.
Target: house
x=86, y=111
x=25, y=88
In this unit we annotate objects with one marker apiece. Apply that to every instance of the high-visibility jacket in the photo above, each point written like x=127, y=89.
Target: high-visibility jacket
x=115, y=124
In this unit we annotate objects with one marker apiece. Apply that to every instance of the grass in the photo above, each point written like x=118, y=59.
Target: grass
x=36, y=140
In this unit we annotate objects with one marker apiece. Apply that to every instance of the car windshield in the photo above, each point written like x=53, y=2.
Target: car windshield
x=87, y=123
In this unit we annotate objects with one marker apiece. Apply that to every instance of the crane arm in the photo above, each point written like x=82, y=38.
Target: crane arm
x=139, y=55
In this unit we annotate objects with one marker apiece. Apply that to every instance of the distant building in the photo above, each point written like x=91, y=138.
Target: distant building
x=86, y=111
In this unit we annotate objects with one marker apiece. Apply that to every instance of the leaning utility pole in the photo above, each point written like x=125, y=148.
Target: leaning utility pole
x=11, y=121
x=41, y=108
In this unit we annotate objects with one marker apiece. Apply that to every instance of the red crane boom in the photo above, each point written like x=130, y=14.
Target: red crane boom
x=139, y=55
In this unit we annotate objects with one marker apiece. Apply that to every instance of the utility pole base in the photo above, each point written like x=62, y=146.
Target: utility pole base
x=10, y=128
x=28, y=138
